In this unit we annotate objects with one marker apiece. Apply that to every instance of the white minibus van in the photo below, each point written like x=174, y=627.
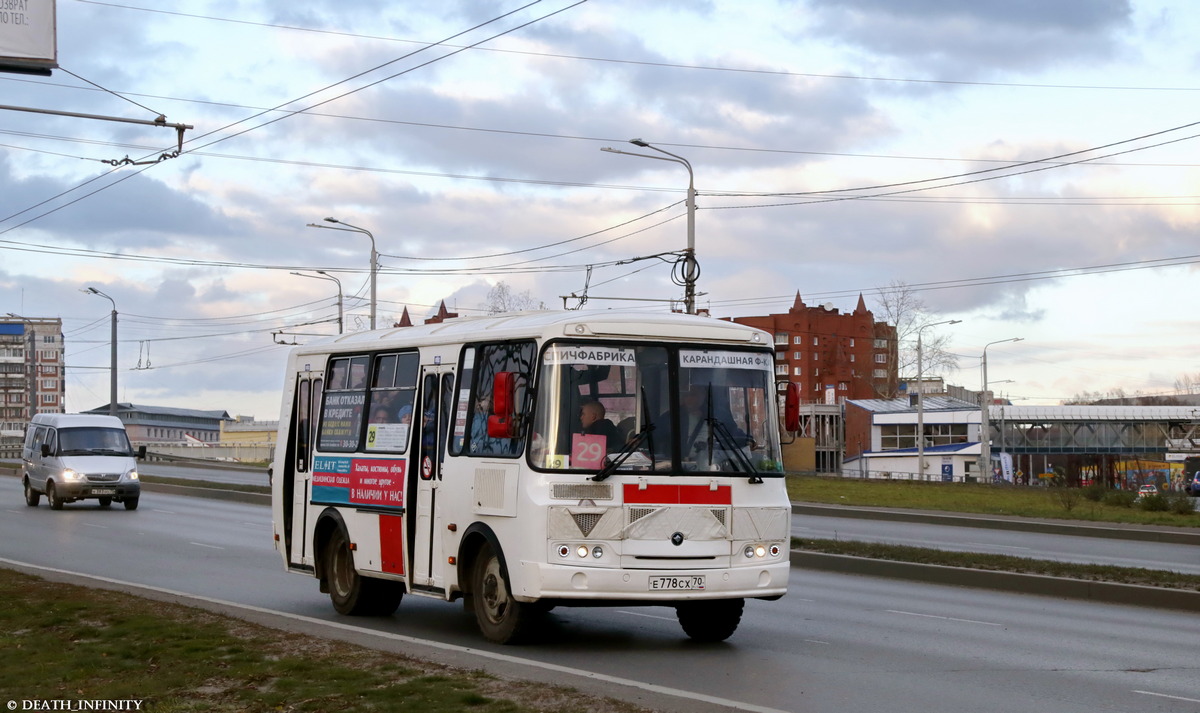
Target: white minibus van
x=69, y=457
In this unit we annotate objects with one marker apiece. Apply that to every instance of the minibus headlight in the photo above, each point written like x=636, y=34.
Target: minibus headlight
x=131, y=475
x=69, y=474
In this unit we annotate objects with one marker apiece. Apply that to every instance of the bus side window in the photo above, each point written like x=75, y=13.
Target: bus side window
x=447, y=409
x=515, y=357
x=462, y=410
x=302, y=425
x=314, y=404
x=340, y=429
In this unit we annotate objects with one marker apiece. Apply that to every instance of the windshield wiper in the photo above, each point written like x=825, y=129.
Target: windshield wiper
x=729, y=444
x=643, y=436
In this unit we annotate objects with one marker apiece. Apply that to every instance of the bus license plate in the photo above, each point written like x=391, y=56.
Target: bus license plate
x=104, y=491
x=677, y=583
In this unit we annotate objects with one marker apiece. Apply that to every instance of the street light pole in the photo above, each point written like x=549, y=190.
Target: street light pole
x=374, y=257
x=112, y=379
x=985, y=426
x=691, y=269
x=921, y=398
x=322, y=275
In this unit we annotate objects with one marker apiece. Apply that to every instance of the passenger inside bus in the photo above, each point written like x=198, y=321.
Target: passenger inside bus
x=481, y=442
x=593, y=422
x=701, y=424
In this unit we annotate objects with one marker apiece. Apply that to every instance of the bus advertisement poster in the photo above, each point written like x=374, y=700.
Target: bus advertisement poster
x=359, y=481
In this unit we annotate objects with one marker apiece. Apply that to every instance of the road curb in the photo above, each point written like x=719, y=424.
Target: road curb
x=1138, y=533
x=213, y=493
x=1107, y=592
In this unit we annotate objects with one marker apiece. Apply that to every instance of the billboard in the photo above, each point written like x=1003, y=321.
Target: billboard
x=28, y=36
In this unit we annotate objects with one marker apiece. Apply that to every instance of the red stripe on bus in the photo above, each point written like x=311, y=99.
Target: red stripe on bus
x=391, y=544
x=678, y=494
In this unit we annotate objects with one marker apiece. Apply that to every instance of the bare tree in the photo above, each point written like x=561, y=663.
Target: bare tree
x=899, y=306
x=1188, y=384
x=501, y=298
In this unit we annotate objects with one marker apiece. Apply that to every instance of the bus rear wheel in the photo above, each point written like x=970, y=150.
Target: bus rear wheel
x=712, y=620
x=351, y=593
x=501, y=618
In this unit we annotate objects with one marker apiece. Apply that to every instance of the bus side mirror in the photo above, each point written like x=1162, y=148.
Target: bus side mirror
x=502, y=423
x=791, y=408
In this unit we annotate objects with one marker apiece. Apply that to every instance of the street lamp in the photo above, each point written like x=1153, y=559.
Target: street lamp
x=690, y=270
x=322, y=275
x=985, y=427
x=921, y=397
x=112, y=379
x=374, y=255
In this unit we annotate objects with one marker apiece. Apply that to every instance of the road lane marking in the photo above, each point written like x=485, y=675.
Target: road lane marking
x=994, y=546
x=165, y=512
x=201, y=544
x=648, y=616
x=1163, y=695
x=92, y=524
x=944, y=618
x=430, y=643
x=815, y=641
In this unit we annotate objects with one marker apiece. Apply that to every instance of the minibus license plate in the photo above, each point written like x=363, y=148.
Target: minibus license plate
x=677, y=583
x=104, y=491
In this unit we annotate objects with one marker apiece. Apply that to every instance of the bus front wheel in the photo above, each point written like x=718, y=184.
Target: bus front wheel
x=712, y=620
x=351, y=593
x=501, y=618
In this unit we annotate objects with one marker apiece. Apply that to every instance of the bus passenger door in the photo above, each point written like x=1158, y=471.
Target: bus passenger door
x=426, y=462
x=296, y=470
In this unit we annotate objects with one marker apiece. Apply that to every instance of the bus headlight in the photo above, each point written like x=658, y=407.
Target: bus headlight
x=564, y=551
x=760, y=550
x=597, y=552
x=582, y=550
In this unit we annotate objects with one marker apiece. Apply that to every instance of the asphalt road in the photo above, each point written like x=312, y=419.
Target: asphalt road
x=1034, y=545
x=213, y=474
x=835, y=643
x=1182, y=558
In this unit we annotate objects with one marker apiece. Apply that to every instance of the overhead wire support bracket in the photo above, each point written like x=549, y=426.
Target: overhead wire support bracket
x=160, y=120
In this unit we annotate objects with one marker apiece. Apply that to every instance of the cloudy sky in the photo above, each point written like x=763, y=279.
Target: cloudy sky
x=1029, y=168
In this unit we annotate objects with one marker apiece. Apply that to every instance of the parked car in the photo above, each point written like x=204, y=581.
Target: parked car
x=1192, y=486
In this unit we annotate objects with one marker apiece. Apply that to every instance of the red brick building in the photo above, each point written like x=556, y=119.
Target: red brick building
x=832, y=356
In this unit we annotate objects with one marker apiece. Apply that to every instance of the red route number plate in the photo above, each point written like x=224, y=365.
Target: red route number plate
x=677, y=584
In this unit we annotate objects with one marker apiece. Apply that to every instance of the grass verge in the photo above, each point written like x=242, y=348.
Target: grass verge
x=1002, y=563
x=71, y=643
x=1022, y=501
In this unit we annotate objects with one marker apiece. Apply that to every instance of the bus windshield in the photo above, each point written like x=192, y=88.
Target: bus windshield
x=625, y=408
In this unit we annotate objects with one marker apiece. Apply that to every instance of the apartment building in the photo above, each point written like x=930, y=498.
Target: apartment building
x=32, y=378
x=833, y=356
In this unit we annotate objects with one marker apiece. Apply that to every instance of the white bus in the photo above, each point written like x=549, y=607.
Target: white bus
x=450, y=461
